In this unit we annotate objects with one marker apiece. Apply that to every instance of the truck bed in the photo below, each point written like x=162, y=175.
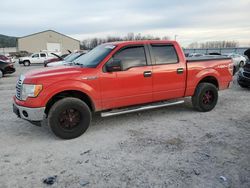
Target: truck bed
x=206, y=58
x=199, y=67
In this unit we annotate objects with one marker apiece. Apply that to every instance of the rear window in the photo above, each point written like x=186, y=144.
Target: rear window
x=164, y=54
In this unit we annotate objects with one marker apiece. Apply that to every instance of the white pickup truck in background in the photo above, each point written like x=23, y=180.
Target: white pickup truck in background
x=35, y=58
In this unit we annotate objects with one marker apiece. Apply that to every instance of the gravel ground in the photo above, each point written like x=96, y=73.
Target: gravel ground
x=168, y=147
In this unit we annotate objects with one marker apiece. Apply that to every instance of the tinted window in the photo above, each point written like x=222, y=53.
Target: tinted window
x=43, y=55
x=131, y=57
x=164, y=54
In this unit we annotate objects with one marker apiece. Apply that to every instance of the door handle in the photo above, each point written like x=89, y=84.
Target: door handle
x=180, y=71
x=147, y=74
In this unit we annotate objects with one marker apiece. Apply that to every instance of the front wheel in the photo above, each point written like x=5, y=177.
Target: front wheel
x=26, y=63
x=69, y=118
x=205, y=97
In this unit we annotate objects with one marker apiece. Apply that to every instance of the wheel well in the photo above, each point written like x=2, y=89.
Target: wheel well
x=211, y=80
x=69, y=93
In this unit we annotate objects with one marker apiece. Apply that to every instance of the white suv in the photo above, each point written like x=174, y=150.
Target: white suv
x=35, y=58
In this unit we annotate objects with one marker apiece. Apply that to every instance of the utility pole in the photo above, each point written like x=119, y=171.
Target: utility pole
x=175, y=37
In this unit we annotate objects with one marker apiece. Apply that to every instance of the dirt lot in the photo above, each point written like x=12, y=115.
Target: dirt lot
x=169, y=147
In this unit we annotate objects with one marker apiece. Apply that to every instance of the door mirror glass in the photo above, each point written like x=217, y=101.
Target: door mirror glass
x=114, y=65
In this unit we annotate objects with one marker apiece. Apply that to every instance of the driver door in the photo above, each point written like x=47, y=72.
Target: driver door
x=132, y=84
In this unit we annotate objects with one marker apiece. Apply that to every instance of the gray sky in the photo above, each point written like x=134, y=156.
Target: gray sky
x=191, y=20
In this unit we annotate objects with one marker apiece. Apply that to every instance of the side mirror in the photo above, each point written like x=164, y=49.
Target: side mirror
x=114, y=66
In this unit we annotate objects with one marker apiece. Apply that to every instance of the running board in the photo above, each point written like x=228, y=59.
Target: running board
x=140, y=108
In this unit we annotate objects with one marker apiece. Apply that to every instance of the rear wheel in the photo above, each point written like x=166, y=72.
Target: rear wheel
x=26, y=63
x=205, y=97
x=69, y=118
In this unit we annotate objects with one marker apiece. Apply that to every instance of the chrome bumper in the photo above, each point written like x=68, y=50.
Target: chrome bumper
x=30, y=114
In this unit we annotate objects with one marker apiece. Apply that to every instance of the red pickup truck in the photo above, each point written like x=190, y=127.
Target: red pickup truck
x=117, y=78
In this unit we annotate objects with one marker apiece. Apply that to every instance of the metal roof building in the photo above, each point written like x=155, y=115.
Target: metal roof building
x=48, y=40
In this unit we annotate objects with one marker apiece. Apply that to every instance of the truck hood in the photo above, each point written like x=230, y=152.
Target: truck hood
x=54, y=73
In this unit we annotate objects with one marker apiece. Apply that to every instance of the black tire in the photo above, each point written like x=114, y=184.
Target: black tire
x=201, y=99
x=61, y=113
x=26, y=63
x=243, y=86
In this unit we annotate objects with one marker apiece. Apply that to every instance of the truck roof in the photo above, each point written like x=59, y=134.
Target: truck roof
x=141, y=42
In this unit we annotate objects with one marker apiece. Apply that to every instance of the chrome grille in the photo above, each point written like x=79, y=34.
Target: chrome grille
x=19, y=87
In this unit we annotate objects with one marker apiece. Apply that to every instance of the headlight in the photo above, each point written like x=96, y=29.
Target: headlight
x=29, y=90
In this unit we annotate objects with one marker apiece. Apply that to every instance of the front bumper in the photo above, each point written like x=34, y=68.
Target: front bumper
x=243, y=79
x=30, y=114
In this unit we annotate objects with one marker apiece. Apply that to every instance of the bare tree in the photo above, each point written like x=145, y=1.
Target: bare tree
x=215, y=44
x=91, y=43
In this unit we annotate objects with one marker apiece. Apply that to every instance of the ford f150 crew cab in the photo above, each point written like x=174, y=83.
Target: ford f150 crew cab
x=117, y=78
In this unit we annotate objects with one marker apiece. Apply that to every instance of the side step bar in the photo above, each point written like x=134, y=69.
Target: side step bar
x=140, y=108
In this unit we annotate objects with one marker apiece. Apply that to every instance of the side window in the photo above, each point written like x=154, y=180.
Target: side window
x=35, y=56
x=164, y=54
x=131, y=57
x=43, y=55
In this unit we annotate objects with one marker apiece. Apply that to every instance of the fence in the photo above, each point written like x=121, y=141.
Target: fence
x=217, y=50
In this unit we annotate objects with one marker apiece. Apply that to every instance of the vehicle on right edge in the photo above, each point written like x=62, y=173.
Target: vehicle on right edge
x=118, y=78
x=238, y=60
x=244, y=75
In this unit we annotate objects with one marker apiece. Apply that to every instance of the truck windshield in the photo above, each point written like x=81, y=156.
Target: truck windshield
x=95, y=56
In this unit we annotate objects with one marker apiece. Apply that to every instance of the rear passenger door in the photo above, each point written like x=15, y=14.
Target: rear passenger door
x=133, y=84
x=169, y=74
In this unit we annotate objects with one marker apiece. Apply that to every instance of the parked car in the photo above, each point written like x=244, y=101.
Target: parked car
x=66, y=61
x=195, y=55
x=244, y=75
x=6, y=68
x=238, y=60
x=54, y=59
x=6, y=59
x=118, y=78
x=36, y=58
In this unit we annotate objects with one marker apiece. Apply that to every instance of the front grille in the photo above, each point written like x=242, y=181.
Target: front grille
x=246, y=74
x=19, y=87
